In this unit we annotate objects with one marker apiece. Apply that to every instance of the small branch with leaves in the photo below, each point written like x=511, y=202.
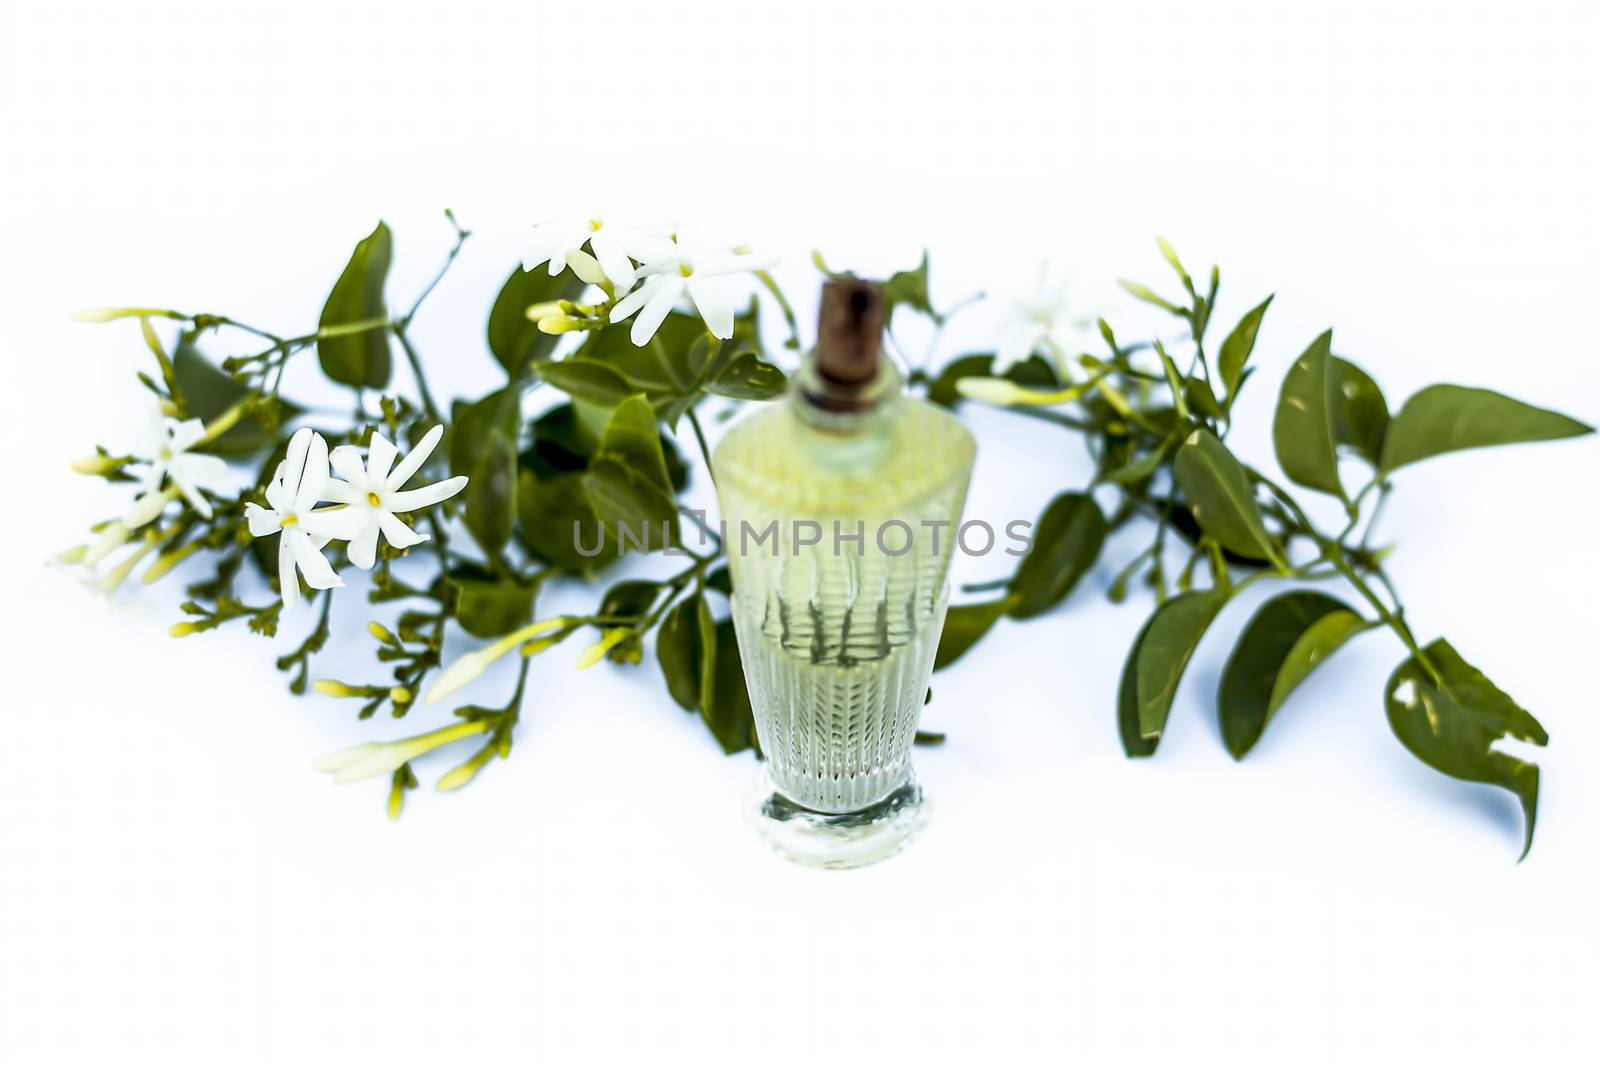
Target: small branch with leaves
x=1157, y=435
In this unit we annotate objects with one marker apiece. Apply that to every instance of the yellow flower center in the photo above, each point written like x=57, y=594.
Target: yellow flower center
x=166, y=454
x=372, y=498
x=288, y=520
x=595, y=225
x=685, y=269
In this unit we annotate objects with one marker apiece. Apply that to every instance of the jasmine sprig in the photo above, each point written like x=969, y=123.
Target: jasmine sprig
x=1157, y=435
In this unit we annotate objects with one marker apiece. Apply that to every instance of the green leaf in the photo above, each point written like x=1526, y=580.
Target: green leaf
x=492, y=494
x=964, y=626
x=487, y=606
x=1137, y=469
x=471, y=422
x=548, y=508
x=1134, y=744
x=1156, y=664
x=748, y=377
x=1170, y=254
x=516, y=340
x=725, y=703
x=1183, y=522
x=910, y=287
x=558, y=446
x=663, y=367
x=1032, y=371
x=208, y=392
x=681, y=650
x=359, y=360
x=1066, y=543
x=1149, y=296
x=1360, y=414
x=721, y=580
x=1175, y=383
x=1302, y=427
x=631, y=438
x=586, y=379
x=1238, y=345
x=1221, y=498
x=631, y=502
x=1451, y=724
x=1198, y=396
x=630, y=600
x=1286, y=639
x=1448, y=418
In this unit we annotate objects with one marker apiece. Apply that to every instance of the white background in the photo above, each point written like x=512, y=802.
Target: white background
x=176, y=880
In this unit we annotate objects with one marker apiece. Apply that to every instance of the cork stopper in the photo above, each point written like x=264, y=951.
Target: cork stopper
x=849, y=333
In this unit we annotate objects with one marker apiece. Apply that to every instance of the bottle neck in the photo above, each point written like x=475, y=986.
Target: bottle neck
x=830, y=408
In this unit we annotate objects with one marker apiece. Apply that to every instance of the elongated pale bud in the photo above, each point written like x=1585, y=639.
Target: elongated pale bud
x=119, y=574
x=1114, y=397
x=459, y=776
x=566, y=324
x=168, y=560
x=360, y=762
x=330, y=688
x=112, y=314
x=183, y=629
x=471, y=665
x=548, y=308
x=460, y=673
x=1006, y=393
x=382, y=633
x=586, y=267
x=347, y=757
x=98, y=464
x=597, y=651
x=75, y=554
x=223, y=423
x=113, y=537
x=147, y=507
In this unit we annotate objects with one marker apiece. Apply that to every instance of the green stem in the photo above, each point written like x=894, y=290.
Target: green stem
x=1054, y=417
x=705, y=450
x=416, y=372
x=986, y=587
x=783, y=305
x=461, y=239
x=1333, y=553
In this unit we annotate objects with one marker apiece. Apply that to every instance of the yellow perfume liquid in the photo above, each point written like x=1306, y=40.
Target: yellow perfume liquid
x=841, y=506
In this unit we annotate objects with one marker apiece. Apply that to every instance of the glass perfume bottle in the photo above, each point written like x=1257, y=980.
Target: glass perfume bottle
x=841, y=506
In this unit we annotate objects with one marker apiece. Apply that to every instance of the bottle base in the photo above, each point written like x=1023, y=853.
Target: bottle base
x=836, y=841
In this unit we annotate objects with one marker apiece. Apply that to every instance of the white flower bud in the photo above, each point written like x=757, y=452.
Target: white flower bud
x=98, y=464
x=586, y=267
x=113, y=537
x=460, y=673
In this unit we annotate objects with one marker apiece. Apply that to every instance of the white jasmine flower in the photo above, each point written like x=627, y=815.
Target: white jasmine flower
x=370, y=760
x=301, y=480
x=706, y=272
x=167, y=452
x=374, y=494
x=1034, y=324
x=615, y=247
